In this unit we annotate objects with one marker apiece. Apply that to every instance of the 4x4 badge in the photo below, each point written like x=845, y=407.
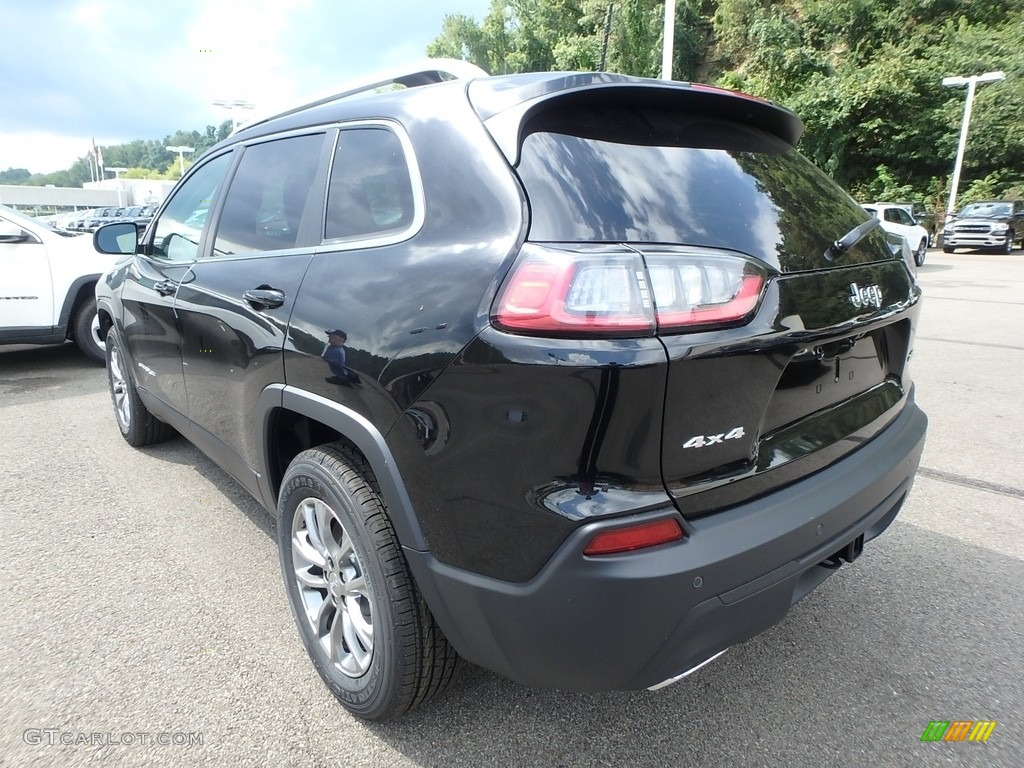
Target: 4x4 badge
x=868, y=296
x=700, y=441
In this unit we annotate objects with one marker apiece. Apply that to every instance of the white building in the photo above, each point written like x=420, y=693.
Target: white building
x=94, y=194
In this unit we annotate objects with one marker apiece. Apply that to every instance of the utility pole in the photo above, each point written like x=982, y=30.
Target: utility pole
x=607, y=34
x=669, y=40
x=971, y=83
x=181, y=156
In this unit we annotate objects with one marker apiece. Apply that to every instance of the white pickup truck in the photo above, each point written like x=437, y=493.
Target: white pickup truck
x=47, y=285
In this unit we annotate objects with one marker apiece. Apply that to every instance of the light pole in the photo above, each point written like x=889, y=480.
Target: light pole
x=668, y=40
x=181, y=156
x=971, y=83
x=231, y=106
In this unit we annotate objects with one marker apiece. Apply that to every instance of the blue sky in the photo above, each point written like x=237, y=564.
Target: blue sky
x=118, y=70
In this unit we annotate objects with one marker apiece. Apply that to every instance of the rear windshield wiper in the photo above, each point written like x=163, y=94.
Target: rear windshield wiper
x=851, y=238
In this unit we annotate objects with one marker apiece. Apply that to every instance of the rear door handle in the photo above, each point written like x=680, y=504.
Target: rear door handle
x=165, y=287
x=264, y=298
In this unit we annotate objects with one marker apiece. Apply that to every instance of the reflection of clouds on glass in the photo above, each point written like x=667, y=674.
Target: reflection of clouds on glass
x=647, y=202
x=763, y=220
x=605, y=191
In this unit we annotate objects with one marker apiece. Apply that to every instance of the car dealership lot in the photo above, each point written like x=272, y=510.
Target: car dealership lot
x=142, y=602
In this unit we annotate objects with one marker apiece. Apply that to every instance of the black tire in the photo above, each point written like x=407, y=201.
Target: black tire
x=1008, y=247
x=85, y=329
x=352, y=578
x=947, y=249
x=921, y=252
x=138, y=426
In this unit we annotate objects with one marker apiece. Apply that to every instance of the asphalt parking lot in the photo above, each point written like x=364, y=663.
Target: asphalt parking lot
x=143, y=617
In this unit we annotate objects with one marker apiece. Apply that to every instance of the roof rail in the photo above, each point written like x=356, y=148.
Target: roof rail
x=425, y=72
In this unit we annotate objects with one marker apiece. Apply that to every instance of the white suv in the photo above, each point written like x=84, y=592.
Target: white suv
x=47, y=285
x=895, y=219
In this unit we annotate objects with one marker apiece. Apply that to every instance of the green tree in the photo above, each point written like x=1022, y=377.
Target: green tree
x=541, y=35
x=14, y=176
x=144, y=159
x=864, y=75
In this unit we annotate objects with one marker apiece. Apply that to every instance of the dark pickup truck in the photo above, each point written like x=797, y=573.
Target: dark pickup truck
x=991, y=224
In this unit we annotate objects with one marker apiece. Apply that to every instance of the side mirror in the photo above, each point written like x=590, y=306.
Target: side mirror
x=117, y=239
x=12, y=233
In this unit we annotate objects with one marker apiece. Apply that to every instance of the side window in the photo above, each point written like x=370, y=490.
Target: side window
x=264, y=204
x=904, y=217
x=891, y=214
x=180, y=226
x=370, y=192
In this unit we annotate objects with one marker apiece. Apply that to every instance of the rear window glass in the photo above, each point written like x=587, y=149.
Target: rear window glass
x=659, y=176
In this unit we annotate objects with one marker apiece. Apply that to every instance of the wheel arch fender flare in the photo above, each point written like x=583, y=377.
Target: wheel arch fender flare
x=363, y=434
x=103, y=307
x=71, y=298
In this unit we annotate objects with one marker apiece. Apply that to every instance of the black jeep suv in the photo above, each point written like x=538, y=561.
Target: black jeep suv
x=581, y=377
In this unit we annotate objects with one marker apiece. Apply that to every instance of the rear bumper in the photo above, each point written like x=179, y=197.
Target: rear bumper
x=634, y=620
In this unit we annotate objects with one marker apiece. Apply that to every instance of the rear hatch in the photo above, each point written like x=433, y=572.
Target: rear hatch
x=783, y=353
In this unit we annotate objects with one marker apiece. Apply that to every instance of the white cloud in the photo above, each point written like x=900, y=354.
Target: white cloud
x=143, y=70
x=42, y=152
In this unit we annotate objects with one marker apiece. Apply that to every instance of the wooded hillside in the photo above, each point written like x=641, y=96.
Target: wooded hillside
x=865, y=75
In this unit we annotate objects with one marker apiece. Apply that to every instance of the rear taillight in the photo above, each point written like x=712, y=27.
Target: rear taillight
x=621, y=292
x=635, y=537
x=557, y=291
x=701, y=289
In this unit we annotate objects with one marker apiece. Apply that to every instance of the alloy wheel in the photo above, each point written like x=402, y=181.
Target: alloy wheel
x=333, y=590
x=119, y=390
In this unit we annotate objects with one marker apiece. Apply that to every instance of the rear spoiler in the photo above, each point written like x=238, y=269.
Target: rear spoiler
x=506, y=108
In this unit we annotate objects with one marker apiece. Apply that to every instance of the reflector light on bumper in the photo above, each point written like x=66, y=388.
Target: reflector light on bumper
x=635, y=537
